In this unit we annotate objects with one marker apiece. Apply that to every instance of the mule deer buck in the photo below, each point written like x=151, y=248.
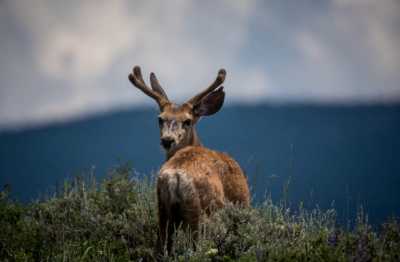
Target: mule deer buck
x=194, y=179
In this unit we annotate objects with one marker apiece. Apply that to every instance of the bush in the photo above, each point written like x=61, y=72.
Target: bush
x=116, y=220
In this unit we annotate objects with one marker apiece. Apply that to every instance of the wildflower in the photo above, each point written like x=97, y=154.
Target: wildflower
x=333, y=238
x=212, y=252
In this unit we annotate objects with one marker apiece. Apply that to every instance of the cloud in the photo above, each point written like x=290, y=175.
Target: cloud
x=82, y=52
x=375, y=25
x=62, y=60
x=351, y=52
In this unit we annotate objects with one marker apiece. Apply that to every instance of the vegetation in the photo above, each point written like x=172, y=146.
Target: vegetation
x=116, y=220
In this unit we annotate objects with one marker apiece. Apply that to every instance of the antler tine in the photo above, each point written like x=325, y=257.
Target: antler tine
x=218, y=81
x=137, y=80
x=155, y=85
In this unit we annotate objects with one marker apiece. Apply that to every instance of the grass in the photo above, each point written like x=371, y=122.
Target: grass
x=116, y=220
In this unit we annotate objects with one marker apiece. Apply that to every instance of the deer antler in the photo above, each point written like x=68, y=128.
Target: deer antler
x=156, y=92
x=155, y=85
x=218, y=81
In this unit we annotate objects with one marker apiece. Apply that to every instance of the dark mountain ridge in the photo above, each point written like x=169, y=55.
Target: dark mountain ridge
x=349, y=155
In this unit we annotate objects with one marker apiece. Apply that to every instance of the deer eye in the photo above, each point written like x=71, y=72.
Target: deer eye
x=187, y=123
x=160, y=121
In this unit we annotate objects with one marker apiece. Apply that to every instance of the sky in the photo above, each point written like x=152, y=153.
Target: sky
x=62, y=60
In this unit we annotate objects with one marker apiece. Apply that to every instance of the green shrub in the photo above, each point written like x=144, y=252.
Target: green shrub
x=116, y=220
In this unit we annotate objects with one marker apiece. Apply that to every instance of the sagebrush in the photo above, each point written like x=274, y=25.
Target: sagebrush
x=116, y=220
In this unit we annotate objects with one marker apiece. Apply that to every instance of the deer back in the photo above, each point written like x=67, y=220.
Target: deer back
x=210, y=176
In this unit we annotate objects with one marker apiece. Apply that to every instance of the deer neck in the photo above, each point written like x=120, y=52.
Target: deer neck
x=193, y=140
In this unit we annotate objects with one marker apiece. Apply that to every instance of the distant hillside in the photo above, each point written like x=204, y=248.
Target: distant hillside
x=349, y=155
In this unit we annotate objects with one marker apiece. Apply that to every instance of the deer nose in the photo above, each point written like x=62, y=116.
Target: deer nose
x=166, y=142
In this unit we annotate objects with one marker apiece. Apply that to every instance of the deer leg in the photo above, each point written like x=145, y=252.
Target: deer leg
x=174, y=222
x=163, y=228
x=191, y=218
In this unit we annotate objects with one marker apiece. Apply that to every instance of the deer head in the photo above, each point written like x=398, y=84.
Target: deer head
x=177, y=122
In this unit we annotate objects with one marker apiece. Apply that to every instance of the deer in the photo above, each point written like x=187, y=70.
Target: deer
x=194, y=180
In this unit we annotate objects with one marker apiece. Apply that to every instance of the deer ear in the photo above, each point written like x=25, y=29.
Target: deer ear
x=210, y=104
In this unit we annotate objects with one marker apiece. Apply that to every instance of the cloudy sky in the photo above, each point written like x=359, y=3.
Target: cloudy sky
x=65, y=59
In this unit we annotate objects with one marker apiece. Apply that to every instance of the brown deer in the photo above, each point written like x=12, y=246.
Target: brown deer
x=194, y=179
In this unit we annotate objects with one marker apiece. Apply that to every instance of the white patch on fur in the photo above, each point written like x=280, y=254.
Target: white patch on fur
x=179, y=184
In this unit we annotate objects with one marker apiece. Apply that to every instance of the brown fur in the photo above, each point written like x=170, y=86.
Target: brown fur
x=194, y=179
x=215, y=179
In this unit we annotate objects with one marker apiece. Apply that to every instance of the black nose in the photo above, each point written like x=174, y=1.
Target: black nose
x=166, y=142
